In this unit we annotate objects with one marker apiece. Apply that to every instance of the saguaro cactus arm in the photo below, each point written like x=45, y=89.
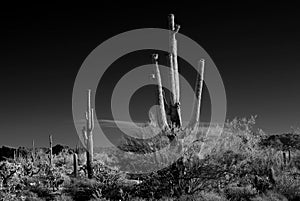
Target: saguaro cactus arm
x=89, y=115
x=198, y=91
x=162, y=112
x=84, y=135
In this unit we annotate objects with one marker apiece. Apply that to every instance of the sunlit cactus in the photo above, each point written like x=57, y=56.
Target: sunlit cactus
x=175, y=102
x=50, y=151
x=198, y=90
x=174, y=110
x=88, y=135
x=33, y=151
x=162, y=121
x=75, y=164
x=174, y=28
x=15, y=155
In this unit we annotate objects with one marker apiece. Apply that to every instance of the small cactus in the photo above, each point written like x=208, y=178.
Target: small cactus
x=75, y=164
x=50, y=149
x=33, y=152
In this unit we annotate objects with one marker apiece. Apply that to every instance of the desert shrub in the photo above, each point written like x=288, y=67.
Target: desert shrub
x=7, y=196
x=203, y=196
x=42, y=192
x=63, y=198
x=83, y=189
x=99, y=199
x=63, y=159
x=107, y=158
x=238, y=136
x=297, y=160
x=34, y=199
x=288, y=186
x=212, y=196
x=81, y=158
x=269, y=196
x=237, y=193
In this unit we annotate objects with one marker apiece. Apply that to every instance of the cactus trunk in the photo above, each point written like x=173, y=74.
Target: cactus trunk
x=162, y=120
x=173, y=84
x=173, y=51
x=33, y=151
x=284, y=158
x=198, y=90
x=75, y=165
x=50, y=150
x=175, y=114
x=15, y=155
x=89, y=159
x=88, y=136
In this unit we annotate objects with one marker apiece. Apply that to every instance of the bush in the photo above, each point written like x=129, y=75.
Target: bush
x=34, y=199
x=83, y=189
x=236, y=193
x=288, y=186
x=63, y=198
x=203, y=196
x=270, y=196
x=42, y=192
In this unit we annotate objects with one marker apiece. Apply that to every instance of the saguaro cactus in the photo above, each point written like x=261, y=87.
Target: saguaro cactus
x=284, y=157
x=162, y=121
x=75, y=164
x=198, y=90
x=88, y=135
x=33, y=152
x=50, y=149
x=15, y=155
x=175, y=117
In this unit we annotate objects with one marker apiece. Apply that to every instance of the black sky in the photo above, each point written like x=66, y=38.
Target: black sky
x=256, y=49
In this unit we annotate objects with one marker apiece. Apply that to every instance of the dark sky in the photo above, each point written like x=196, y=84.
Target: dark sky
x=256, y=49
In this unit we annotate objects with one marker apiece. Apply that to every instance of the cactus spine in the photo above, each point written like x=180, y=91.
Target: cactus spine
x=162, y=112
x=88, y=135
x=198, y=90
x=50, y=149
x=174, y=72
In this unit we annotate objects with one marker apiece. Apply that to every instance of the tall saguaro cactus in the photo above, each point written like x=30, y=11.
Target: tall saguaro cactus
x=162, y=112
x=88, y=135
x=175, y=116
x=50, y=149
x=198, y=90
